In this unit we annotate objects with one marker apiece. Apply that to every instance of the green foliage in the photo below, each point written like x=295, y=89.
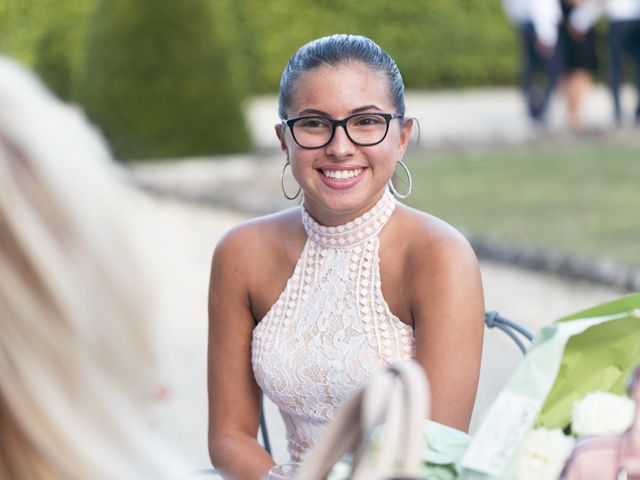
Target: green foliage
x=47, y=34
x=167, y=78
x=159, y=80
x=20, y=24
x=53, y=63
x=436, y=43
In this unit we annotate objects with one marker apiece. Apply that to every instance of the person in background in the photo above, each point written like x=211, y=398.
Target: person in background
x=537, y=22
x=579, y=65
x=76, y=362
x=623, y=39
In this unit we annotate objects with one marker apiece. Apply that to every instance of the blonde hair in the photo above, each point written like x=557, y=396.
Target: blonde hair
x=76, y=361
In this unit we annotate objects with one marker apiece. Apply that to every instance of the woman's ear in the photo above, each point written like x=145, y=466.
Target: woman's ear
x=280, y=133
x=405, y=134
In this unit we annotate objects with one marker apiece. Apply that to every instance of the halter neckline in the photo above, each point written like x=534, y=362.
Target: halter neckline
x=355, y=232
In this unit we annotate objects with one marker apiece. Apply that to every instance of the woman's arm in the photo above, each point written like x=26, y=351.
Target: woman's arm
x=447, y=304
x=234, y=396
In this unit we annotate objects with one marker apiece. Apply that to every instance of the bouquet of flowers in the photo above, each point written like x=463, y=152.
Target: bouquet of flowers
x=569, y=385
x=545, y=451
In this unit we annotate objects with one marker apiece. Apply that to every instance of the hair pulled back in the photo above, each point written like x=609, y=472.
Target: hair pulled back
x=335, y=50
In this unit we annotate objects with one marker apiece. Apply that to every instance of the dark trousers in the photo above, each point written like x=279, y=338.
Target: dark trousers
x=540, y=74
x=624, y=40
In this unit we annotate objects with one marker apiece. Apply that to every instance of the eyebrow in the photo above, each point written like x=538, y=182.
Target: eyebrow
x=313, y=111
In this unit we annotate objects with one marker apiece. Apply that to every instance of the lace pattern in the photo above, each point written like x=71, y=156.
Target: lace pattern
x=330, y=329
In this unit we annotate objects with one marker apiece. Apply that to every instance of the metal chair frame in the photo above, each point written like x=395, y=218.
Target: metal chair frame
x=493, y=319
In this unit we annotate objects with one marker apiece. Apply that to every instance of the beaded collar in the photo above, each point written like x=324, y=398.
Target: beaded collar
x=355, y=232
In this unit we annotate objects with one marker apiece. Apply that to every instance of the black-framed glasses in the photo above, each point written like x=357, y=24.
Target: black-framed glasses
x=363, y=129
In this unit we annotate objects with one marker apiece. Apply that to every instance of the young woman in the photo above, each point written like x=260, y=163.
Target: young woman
x=305, y=304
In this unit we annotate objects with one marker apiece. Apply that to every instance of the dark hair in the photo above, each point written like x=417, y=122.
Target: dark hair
x=335, y=50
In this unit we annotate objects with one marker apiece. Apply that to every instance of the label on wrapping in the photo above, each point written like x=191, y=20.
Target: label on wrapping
x=492, y=447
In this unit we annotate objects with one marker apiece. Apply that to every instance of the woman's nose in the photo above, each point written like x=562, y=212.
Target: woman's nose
x=340, y=145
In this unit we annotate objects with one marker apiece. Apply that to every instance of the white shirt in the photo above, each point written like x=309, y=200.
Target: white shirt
x=586, y=14
x=544, y=14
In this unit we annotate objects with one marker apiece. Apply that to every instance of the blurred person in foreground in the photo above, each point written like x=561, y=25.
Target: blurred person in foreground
x=537, y=22
x=623, y=38
x=76, y=363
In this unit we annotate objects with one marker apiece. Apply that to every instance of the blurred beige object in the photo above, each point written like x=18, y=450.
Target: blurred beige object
x=76, y=352
x=398, y=400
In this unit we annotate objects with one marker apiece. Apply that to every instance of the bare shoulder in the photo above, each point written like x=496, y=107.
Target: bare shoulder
x=258, y=236
x=435, y=259
x=250, y=250
x=441, y=282
x=429, y=240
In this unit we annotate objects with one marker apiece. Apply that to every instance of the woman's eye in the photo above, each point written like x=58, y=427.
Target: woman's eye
x=368, y=121
x=313, y=123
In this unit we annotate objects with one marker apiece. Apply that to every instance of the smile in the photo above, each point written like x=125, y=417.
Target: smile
x=342, y=174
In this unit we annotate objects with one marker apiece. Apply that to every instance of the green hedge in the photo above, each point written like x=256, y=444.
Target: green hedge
x=159, y=81
x=47, y=35
x=168, y=78
x=436, y=43
x=21, y=24
x=54, y=64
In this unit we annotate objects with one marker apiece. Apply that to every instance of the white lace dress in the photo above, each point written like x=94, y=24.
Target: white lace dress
x=330, y=329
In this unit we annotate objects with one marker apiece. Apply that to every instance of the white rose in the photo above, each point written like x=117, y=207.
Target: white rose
x=544, y=455
x=340, y=471
x=602, y=413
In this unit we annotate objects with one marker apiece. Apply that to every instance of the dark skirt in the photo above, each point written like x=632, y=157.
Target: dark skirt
x=578, y=54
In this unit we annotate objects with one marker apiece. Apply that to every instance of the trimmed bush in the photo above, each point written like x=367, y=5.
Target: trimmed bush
x=20, y=26
x=436, y=43
x=47, y=35
x=158, y=80
x=53, y=64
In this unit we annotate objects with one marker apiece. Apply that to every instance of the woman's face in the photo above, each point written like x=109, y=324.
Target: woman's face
x=336, y=92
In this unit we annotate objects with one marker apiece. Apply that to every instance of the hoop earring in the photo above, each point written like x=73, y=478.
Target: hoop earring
x=392, y=187
x=288, y=197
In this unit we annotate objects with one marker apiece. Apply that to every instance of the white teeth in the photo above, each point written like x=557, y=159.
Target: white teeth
x=342, y=174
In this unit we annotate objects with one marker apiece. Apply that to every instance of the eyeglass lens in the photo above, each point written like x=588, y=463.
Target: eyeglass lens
x=364, y=129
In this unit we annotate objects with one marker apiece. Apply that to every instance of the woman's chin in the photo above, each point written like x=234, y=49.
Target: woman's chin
x=338, y=206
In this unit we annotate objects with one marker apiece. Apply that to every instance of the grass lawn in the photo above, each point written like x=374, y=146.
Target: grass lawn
x=580, y=197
